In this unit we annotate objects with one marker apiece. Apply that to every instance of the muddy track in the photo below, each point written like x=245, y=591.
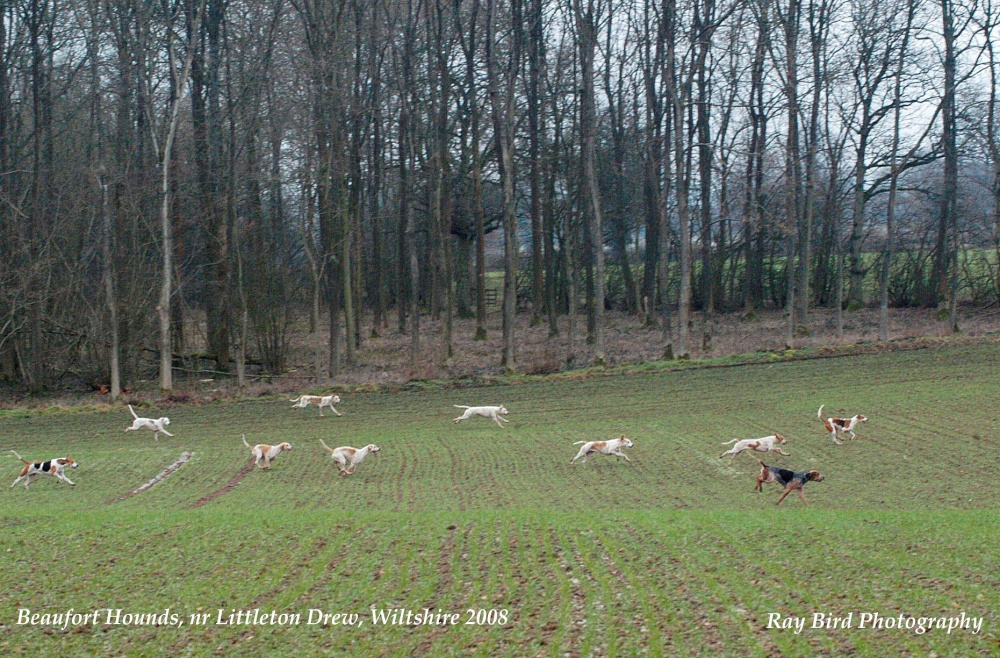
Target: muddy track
x=455, y=474
x=185, y=456
x=226, y=488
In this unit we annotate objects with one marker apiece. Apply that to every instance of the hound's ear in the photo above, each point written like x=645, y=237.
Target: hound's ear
x=623, y=436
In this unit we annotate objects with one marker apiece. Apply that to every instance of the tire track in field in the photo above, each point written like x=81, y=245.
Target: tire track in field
x=444, y=571
x=226, y=488
x=783, y=582
x=461, y=497
x=293, y=573
x=577, y=599
x=678, y=572
x=344, y=560
x=704, y=568
x=183, y=459
x=623, y=584
x=405, y=481
x=516, y=579
x=544, y=572
x=401, y=476
x=587, y=549
x=508, y=587
x=340, y=549
x=723, y=548
x=445, y=580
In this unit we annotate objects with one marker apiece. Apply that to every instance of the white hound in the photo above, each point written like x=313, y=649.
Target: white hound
x=320, y=401
x=497, y=413
x=348, y=458
x=156, y=424
x=837, y=426
x=53, y=468
x=612, y=447
x=266, y=452
x=765, y=444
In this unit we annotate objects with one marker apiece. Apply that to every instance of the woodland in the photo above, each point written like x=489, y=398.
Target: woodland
x=333, y=171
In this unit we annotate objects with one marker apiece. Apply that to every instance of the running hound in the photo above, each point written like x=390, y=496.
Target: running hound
x=612, y=447
x=348, y=458
x=320, y=401
x=53, y=468
x=497, y=413
x=837, y=426
x=266, y=452
x=765, y=444
x=156, y=424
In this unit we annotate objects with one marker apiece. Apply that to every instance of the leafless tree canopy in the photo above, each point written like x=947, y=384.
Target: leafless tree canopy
x=256, y=167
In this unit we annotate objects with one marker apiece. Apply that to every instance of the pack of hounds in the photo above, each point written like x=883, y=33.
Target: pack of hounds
x=347, y=458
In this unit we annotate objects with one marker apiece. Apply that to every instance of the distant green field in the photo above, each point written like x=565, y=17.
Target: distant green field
x=670, y=555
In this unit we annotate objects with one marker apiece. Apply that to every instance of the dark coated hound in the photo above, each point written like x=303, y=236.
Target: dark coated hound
x=791, y=480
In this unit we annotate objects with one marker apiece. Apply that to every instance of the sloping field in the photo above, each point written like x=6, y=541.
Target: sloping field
x=672, y=554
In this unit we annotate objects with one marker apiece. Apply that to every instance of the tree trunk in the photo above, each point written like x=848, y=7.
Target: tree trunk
x=754, y=204
x=536, y=54
x=677, y=93
x=178, y=83
x=111, y=300
x=792, y=175
x=586, y=20
x=818, y=34
x=944, y=286
x=503, y=128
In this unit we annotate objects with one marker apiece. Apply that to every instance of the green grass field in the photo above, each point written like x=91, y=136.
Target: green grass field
x=672, y=554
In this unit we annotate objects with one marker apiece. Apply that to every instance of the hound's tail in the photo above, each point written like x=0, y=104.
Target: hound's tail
x=244, y=437
x=134, y=414
x=763, y=465
x=725, y=443
x=21, y=458
x=296, y=399
x=460, y=406
x=579, y=443
x=819, y=414
x=326, y=446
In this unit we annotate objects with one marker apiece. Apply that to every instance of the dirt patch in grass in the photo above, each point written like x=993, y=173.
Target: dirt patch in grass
x=185, y=456
x=226, y=488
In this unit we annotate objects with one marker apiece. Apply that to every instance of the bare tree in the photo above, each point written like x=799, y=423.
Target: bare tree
x=988, y=27
x=678, y=84
x=179, y=74
x=894, y=170
x=873, y=68
x=790, y=18
x=503, y=111
x=587, y=14
x=754, y=207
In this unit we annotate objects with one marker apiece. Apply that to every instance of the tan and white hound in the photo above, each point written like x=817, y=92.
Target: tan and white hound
x=348, y=458
x=266, y=452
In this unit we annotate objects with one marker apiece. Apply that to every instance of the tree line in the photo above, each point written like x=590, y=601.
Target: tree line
x=261, y=162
